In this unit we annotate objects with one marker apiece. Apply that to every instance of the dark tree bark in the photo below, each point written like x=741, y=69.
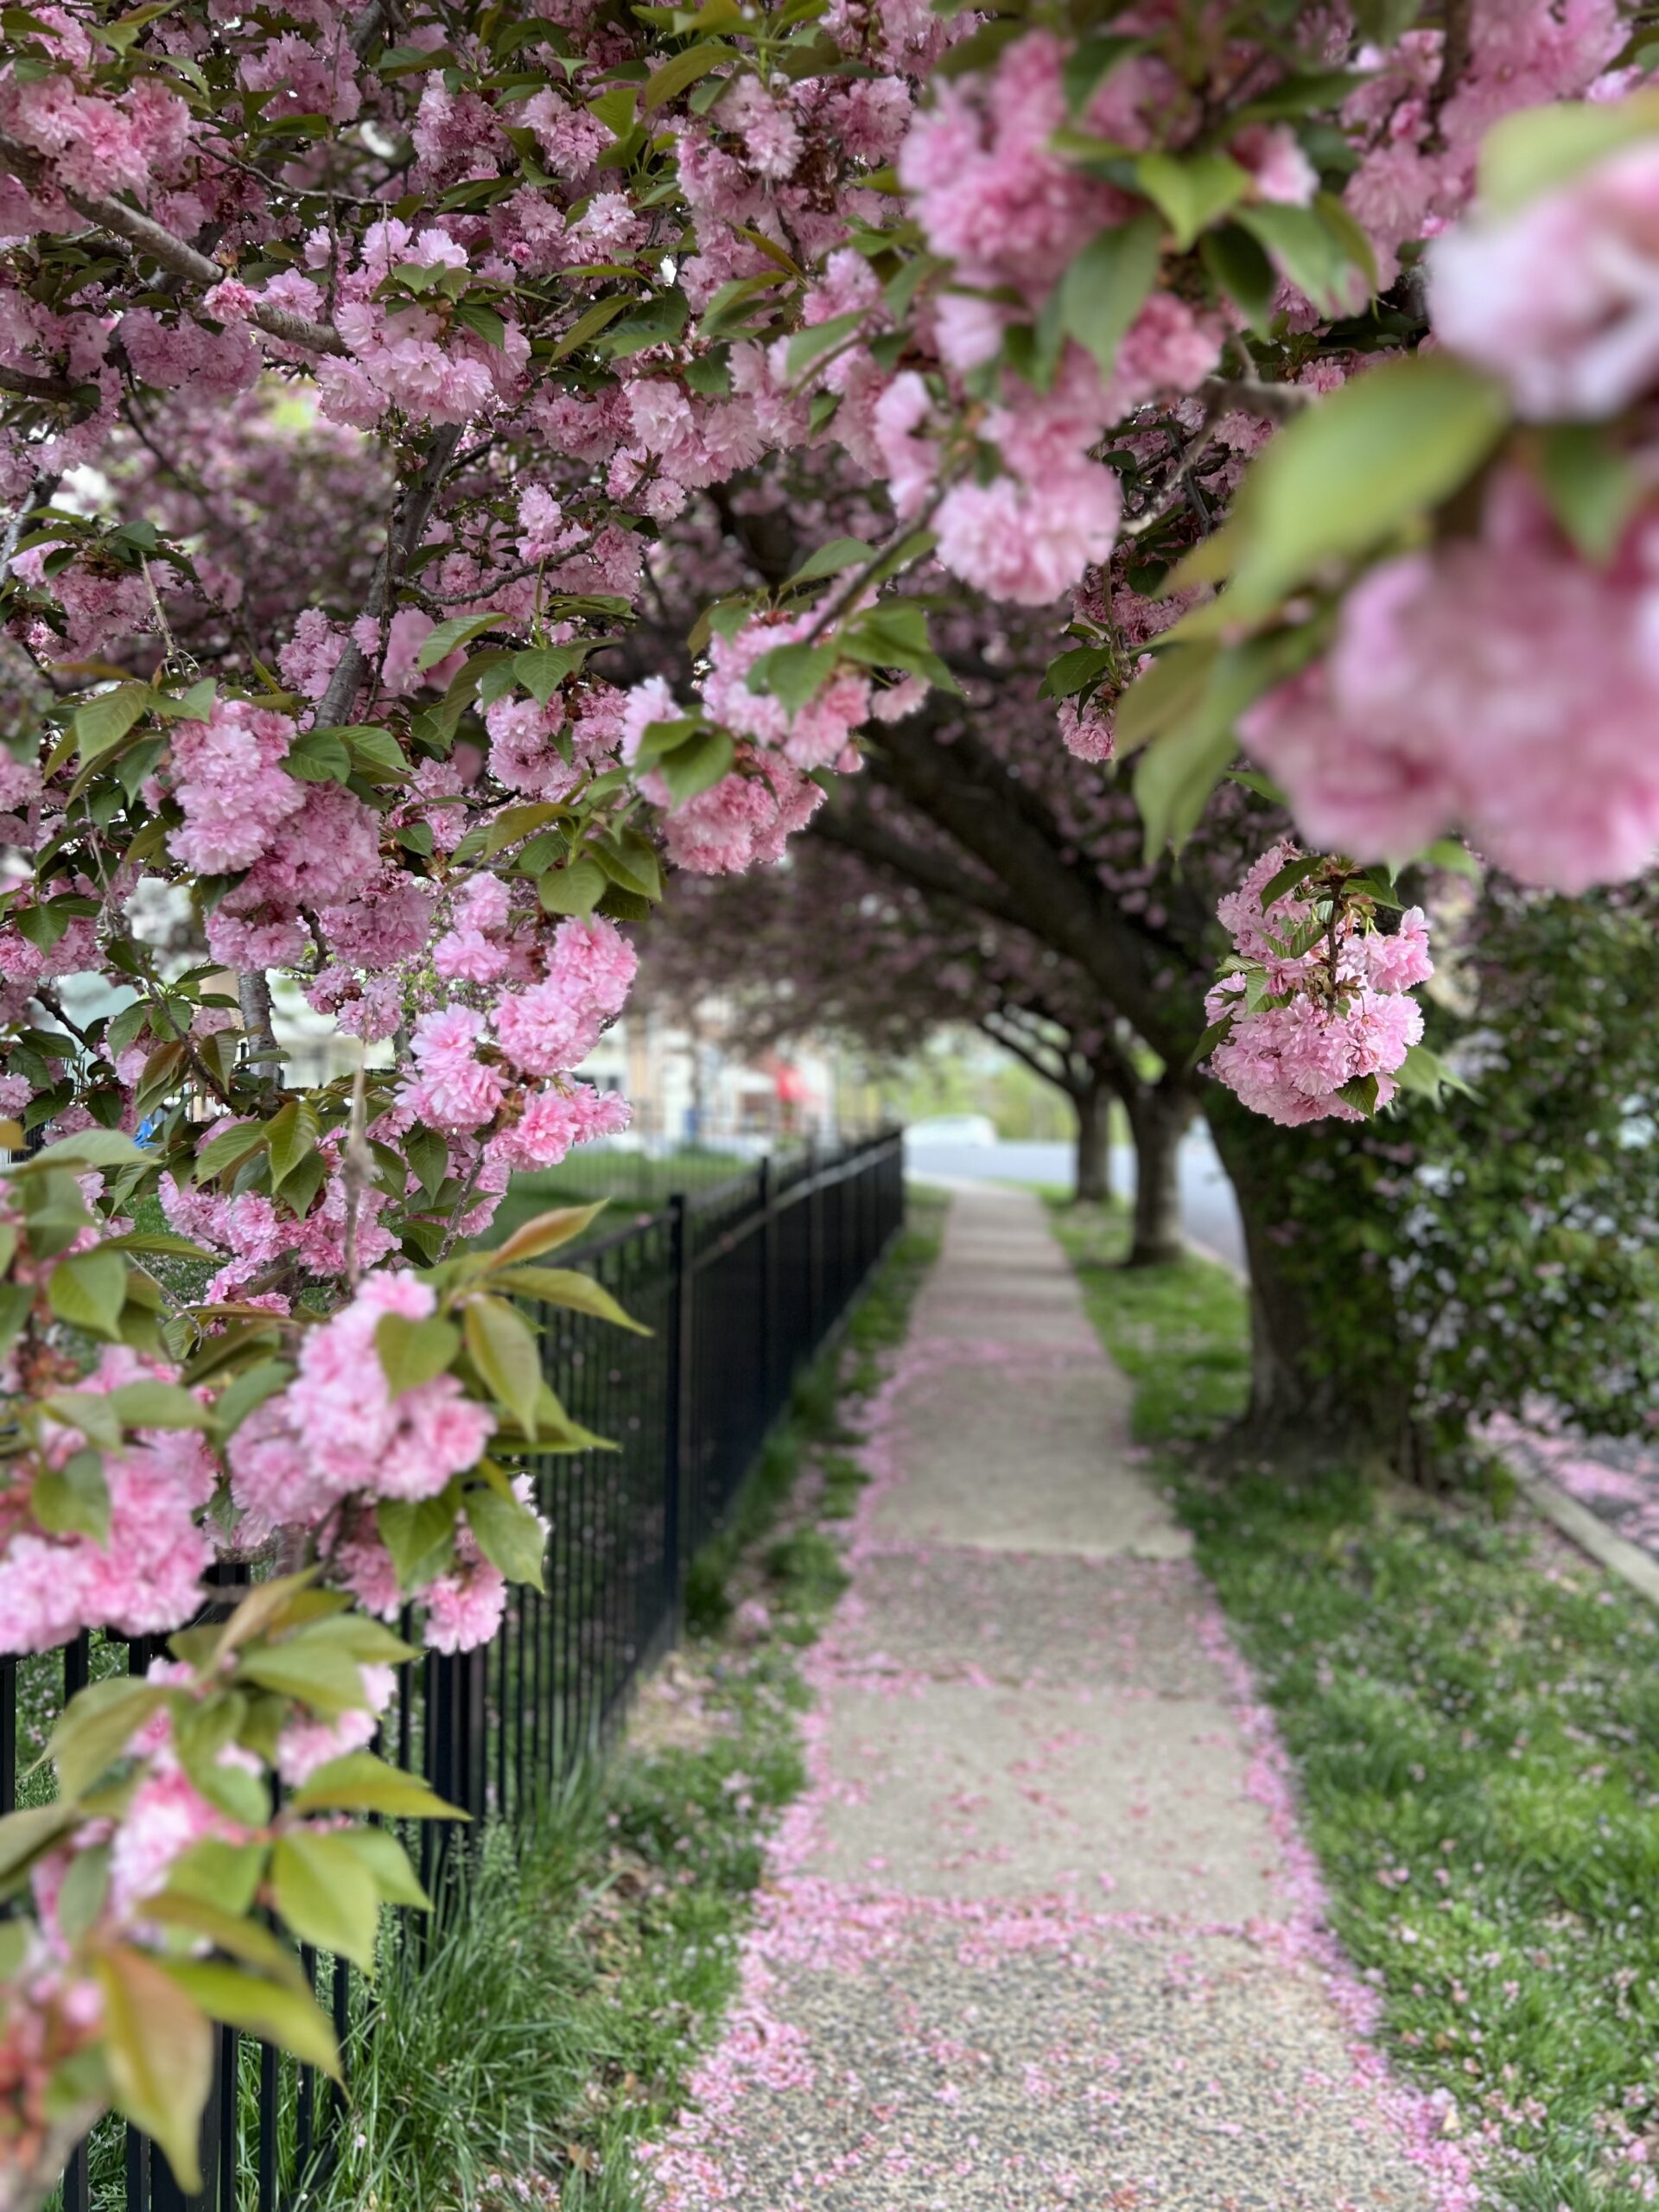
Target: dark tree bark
x=1159, y=1114
x=1328, y=1362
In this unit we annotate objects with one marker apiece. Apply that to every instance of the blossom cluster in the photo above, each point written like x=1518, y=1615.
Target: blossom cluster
x=1315, y=1005
x=1500, y=685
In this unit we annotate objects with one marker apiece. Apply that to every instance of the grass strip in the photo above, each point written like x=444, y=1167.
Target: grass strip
x=1472, y=1707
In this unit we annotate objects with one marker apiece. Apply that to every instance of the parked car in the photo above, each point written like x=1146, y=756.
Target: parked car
x=952, y=1128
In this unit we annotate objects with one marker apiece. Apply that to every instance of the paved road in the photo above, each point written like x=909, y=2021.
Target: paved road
x=1042, y=1934
x=1209, y=1213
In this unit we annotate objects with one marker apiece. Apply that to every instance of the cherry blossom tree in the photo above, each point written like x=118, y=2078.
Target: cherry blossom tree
x=357, y=368
x=828, y=942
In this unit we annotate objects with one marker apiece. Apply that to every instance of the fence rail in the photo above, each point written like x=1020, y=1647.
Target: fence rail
x=741, y=1285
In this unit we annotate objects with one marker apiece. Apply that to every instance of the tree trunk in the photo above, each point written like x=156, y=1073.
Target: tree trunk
x=1328, y=1360
x=1091, y=1171
x=1159, y=1116
x=1290, y=1383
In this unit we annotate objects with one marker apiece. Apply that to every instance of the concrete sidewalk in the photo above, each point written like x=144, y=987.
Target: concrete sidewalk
x=1042, y=1933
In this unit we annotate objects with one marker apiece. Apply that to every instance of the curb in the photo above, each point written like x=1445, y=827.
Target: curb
x=1590, y=1532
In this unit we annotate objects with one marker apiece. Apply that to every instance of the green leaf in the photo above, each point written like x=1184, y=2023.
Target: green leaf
x=543, y=668
x=509, y=1534
x=1191, y=189
x=1174, y=779
x=91, y=1149
x=96, y=1726
x=1384, y=22
x=1304, y=92
x=1426, y=1075
x=830, y=560
x=158, y=1240
x=327, y=1680
x=709, y=374
x=292, y=1136
x=413, y=1352
x=1309, y=249
x=505, y=1353
x=376, y=754
x=697, y=765
x=1354, y=468
x=17, y=1304
x=723, y=317
x=326, y=1895
x=1163, y=695
x=229, y=1149
x=516, y=822
x=894, y=635
x=317, y=756
x=157, y=1405
x=575, y=888
x=589, y=323
x=249, y=1389
x=545, y=1233
x=631, y=861
x=793, y=674
x=359, y=1782
x=224, y=1878
x=1593, y=488
x=159, y=2046
x=683, y=69
x=24, y=1836
x=459, y=630
x=106, y=719
x=1536, y=149
x=292, y=2018
x=568, y=1288
x=1453, y=855
x=387, y=1860
x=74, y=1499
x=1194, y=749
x=420, y=1533
x=1292, y=874
x=88, y=1291
x=819, y=338
x=1072, y=671
x=659, y=321
x=1359, y=1092
x=427, y=1155
x=483, y=321
x=1240, y=269
x=1106, y=286
x=1090, y=63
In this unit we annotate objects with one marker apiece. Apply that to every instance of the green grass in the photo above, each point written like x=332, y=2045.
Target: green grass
x=555, y=2019
x=1473, y=1711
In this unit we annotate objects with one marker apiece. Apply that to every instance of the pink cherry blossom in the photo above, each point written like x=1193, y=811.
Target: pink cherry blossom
x=1502, y=685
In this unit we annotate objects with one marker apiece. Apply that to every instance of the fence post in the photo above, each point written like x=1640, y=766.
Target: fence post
x=814, y=1247
x=676, y=1458
x=770, y=1362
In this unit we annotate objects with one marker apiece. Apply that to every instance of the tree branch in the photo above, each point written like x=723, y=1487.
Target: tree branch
x=853, y=828
x=960, y=787
x=58, y=391
x=168, y=253
x=402, y=542
x=1274, y=403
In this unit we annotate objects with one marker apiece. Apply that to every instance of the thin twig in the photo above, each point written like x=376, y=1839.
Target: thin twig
x=838, y=602
x=354, y=1169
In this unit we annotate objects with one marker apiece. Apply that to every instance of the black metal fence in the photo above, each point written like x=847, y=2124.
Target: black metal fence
x=741, y=1284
